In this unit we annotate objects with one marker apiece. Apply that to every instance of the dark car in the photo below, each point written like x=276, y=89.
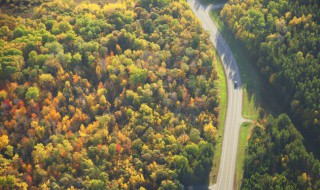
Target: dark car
x=235, y=84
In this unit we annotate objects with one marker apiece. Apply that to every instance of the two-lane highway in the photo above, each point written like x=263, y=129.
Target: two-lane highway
x=234, y=117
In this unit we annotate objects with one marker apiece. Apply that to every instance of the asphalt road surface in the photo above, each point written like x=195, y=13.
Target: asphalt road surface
x=233, y=118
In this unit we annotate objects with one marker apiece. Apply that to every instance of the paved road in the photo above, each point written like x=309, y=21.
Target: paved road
x=233, y=118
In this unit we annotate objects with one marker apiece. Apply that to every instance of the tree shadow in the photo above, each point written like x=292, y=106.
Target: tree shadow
x=257, y=87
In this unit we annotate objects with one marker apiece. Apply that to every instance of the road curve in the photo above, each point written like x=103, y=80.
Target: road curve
x=234, y=117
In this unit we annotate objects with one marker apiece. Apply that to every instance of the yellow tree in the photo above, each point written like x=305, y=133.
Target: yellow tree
x=4, y=141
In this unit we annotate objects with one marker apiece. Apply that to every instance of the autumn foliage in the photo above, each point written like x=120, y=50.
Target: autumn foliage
x=108, y=96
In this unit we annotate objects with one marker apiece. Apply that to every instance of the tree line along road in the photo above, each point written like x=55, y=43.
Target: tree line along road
x=234, y=108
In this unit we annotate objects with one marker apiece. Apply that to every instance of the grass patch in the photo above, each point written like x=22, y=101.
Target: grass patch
x=249, y=110
x=222, y=86
x=242, y=144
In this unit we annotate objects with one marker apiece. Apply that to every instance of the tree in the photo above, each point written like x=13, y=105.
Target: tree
x=3, y=94
x=210, y=132
x=46, y=80
x=19, y=31
x=76, y=58
x=182, y=168
x=275, y=33
x=194, y=135
x=32, y=93
x=96, y=184
x=4, y=141
x=5, y=31
x=88, y=100
x=192, y=149
x=137, y=75
x=278, y=139
x=54, y=47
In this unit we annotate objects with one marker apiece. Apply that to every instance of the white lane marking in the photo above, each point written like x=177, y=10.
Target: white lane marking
x=232, y=125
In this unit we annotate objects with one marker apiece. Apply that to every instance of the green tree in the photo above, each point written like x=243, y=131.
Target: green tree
x=54, y=47
x=32, y=93
x=137, y=75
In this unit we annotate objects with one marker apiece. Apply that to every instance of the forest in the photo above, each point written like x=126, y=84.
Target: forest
x=284, y=39
x=105, y=96
x=277, y=159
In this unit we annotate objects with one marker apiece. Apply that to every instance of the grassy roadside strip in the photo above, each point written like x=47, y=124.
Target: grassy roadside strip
x=242, y=144
x=222, y=117
x=251, y=94
x=256, y=92
x=249, y=76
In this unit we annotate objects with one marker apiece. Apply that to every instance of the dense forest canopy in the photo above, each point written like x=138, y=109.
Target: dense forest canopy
x=109, y=96
x=284, y=37
x=277, y=159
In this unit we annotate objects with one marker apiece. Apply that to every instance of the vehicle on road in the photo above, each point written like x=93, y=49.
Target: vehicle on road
x=227, y=166
x=235, y=84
